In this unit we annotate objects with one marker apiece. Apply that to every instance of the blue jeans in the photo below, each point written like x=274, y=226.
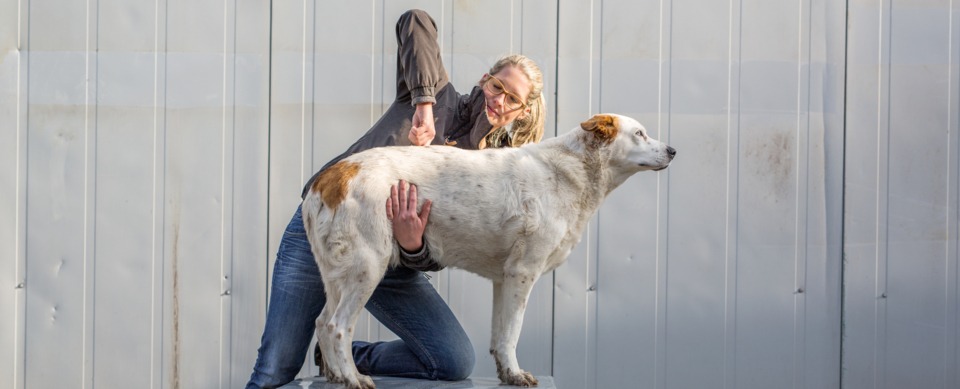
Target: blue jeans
x=432, y=343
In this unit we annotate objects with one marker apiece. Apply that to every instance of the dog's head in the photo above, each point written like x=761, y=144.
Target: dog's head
x=627, y=142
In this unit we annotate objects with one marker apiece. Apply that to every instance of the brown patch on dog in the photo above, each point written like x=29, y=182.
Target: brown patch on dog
x=604, y=127
x=333, y=182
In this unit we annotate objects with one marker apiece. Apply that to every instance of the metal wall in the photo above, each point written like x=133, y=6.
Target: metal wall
x=151, y=153
x=900, y=219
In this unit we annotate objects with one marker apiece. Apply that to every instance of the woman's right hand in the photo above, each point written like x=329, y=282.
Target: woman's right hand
x=408, y=225
x=422, y=131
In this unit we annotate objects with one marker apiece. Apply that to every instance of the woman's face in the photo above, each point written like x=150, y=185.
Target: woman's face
x=501, y=94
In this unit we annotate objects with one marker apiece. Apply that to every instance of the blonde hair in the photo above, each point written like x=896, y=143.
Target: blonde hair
x=527, y=128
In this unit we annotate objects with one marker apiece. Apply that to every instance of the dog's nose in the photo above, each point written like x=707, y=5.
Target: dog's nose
x=671, y=151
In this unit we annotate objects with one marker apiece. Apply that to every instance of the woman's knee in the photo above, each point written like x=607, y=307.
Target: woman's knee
x=456, y=364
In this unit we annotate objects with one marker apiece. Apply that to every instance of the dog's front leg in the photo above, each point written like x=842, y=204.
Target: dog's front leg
x=511, y=302
x=497, y=325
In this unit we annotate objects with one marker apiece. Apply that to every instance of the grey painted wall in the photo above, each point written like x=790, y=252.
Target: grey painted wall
x=152, y=151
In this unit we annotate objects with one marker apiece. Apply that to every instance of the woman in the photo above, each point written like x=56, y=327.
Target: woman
x=504, y=109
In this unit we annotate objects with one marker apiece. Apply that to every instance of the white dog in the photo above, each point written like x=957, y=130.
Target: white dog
x=525, y=209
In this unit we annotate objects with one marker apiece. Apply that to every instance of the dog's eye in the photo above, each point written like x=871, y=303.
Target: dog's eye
x=642, y=134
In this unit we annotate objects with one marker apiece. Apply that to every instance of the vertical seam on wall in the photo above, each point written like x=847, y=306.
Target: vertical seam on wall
x=26, y=190
x=86, y=178
x=657, y=313
x=799, y=302
x=303, y=87
x=883, y=103
x=228, y=278
x=163, y=219
x=947, y=377
x=553, y=290
x=223, y=183
x=876, y=232
x=843, y=196
x=19, y=272
x=153, y=191
x=96, y=131
x=594, y=280
x=726, y=239
x=373, y=59
x=590, y=243
x=313, y=90
x=87, y=268
x=266, y=254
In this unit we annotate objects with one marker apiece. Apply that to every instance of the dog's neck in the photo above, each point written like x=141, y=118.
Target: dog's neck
x=582, y=169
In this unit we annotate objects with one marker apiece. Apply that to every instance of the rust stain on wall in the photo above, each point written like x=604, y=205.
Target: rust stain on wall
x=771, y=158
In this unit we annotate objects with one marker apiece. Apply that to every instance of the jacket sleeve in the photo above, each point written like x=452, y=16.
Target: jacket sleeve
x=420, y=260
x=420, y=68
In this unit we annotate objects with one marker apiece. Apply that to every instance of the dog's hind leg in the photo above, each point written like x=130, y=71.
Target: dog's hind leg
x=355, y=290
x=331, y=370
x=323, y=341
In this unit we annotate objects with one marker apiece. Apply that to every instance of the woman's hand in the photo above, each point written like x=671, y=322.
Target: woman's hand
x=408, y=226
x=423, y=131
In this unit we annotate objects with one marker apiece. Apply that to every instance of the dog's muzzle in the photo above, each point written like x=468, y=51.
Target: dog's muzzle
x=671, y=152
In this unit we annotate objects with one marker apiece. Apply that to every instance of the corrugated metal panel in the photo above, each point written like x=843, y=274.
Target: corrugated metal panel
x=13, y=71
x=60, y=181
x=128, y=233
x=900, y=305
x=574, y=334
x=132, y=137
x=700, y=265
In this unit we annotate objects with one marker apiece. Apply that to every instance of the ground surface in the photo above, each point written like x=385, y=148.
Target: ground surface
x=397, y=383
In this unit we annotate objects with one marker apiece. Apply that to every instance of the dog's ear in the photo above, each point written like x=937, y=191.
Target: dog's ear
x=603, y=126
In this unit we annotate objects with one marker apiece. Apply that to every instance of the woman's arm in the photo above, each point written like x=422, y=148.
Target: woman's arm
x=420, y=68
x=419, y=71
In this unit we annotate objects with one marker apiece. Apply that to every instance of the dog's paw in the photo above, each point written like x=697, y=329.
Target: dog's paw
x=520, y=378
x=332, y=377
x=362, y=382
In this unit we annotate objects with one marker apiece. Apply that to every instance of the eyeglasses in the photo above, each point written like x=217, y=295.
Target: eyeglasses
x=495, y=87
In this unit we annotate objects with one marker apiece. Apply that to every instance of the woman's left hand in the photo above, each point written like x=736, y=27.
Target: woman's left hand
x=407, y=224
